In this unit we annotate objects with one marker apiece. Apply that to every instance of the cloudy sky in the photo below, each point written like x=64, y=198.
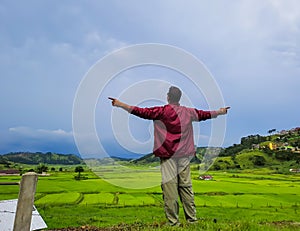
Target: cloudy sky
x=251, y=48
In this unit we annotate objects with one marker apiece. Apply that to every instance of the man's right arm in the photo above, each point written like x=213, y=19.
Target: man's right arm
x=145, y=113
x=118, y=103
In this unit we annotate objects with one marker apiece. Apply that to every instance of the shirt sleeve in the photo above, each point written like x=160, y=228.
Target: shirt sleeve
x=204, y=115
x=153, y=113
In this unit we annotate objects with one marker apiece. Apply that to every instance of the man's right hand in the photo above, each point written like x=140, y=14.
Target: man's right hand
x=114, y=102
x=117, y=103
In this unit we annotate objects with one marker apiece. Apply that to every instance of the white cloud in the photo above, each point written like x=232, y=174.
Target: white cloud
x=41, y=133
x=24, y=138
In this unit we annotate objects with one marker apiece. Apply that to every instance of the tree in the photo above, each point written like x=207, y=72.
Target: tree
x=258, y=160
x=41, y=168
x=79, y=169
x=271, y=131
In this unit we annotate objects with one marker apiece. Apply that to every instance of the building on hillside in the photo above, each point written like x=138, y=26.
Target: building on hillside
x=255, y=146
x=205, y=177
x=287, y=148
x=272, y=146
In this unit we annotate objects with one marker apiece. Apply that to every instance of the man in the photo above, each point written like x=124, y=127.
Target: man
x=174, y=144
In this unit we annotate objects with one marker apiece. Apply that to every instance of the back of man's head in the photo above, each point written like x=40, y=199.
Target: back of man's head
x=174, y=94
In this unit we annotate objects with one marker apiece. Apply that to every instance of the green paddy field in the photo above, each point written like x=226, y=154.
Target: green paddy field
x=253, y=200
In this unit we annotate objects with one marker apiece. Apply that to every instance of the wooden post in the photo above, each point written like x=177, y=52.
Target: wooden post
x=25, y=202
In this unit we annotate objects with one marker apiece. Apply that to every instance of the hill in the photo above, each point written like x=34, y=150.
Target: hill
x=286, y=140
x=38, y=157
x=147, y=159
x=106, y=161
x=278, y=151
x=150, y=158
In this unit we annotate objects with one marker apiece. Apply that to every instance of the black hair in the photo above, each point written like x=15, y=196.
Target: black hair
x=174, y=94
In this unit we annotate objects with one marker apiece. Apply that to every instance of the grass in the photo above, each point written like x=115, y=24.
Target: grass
x=59, y=198
x=253, y=200
x=97, y=198
x=151, y=218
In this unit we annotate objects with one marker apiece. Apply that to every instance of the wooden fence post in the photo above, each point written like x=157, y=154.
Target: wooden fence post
x=25, y=202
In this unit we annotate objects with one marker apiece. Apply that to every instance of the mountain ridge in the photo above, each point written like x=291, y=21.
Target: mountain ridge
x=256, y=150
x=39, y=157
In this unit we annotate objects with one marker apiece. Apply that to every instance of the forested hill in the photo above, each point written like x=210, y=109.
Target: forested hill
x=278, y=150
x=38, y=157
x=254, y=150
x=287, y=141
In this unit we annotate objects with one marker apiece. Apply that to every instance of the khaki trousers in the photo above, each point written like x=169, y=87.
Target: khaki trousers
x=176, y=182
